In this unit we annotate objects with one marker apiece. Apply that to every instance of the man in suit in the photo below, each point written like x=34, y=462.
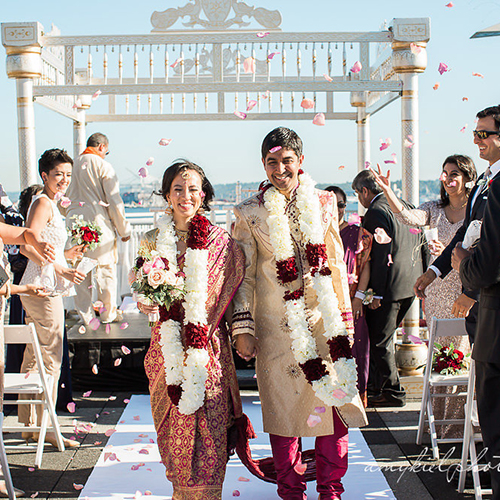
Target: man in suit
x=486, y=138
x=480, y=269
x=392, y=288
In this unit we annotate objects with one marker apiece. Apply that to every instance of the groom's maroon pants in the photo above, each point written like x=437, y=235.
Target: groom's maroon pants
x=331, y=463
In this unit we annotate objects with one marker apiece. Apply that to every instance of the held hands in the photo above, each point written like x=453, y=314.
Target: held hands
x=73, y=275
x=246, y=346
x=462, y=306
x=143, y=308
x=457, y=256
x=423, y=282
x=35, y=291
x=436, y=247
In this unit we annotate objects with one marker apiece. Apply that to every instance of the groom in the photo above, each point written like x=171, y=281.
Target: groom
x=293, y=312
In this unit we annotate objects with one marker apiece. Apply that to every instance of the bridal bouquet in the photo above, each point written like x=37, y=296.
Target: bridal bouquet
x=85, y=233
x=449, y=361
x=153, y=281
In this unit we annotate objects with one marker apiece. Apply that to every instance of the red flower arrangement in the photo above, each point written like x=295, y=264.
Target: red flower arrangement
x=85, y=233
x=449, y=361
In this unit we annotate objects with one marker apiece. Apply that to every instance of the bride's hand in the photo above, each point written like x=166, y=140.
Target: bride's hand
x=148, y=309
x=384, y=181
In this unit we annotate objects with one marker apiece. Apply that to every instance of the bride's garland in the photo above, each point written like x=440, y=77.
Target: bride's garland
x=339, y=387
x=186, y=371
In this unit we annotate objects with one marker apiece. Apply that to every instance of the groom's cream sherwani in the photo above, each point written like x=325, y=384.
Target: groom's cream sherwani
x=287, y=399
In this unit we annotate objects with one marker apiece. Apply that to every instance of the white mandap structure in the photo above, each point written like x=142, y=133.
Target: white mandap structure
x=197, y=74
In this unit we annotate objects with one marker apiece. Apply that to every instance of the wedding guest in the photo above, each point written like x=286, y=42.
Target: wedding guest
x=193, y=409
x=95, y=195
x=396, y=260
x=295, y=299
x=47, y=313
x=357, y=243
x=445, y=296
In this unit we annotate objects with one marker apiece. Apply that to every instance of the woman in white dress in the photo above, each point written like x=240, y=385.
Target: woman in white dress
x=47, y=313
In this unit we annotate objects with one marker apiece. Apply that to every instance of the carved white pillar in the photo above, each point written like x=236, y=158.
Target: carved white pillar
x=24, y=63
x=409, y=58
x=79, y=135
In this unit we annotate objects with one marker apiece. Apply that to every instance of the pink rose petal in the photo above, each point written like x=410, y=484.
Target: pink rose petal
x=300, y=469
x=389, y=260
x=34, y=495
x=354, y=219
x=240, y=114
x=367, y=164
x=436, y=86
x=394, y=159
x=262, y=34
x=243, y=479
x=78, y=104
x=356, y=67
x=109, y=432
x=65, y=202
x=386, y=144
x=272, y=54
x=58, y=196
x=165, y=142
x=71, y=407
x=143, y=172
x=82, y=330
x=275, y=149
x=134, y=467
x=341, y=167
x=143, y=435
x=251, y=105
x=449, y=5
x=147, y=492
x=95, y=323
x=150, y=161
x=31, y=469
x=95, y=370
x=307, y=104
x=236, y=493
x=328, y=78
x=86, y=394
x=124, y=326
x=415, y=49
x=320, y=409
x=452, y=184
x=319, y=119
x=144, y=452
x=103, y=204
x=442, y=177
x=78, y=487
x=478, y=75
x=137, y=417
x=313, y=420
x=107, y=328
x=339, y=394
x=118, y=361
x=414, y=339
x=96, y=94
x=249, y=65
x=112, y=398
x=443, y=68
x=176, y=62
x=408, y=142
x=81, y=203
x=126, y=401
x=463, y=128
x=465, y=99
x=415, y=230
x=381, y=237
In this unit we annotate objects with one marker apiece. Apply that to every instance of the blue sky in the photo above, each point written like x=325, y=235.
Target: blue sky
x=229, y=151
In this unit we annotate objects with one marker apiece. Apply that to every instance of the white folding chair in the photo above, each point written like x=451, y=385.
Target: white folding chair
x=439, y=328
x=470, y=439
x=5, y=465
x=37, y=385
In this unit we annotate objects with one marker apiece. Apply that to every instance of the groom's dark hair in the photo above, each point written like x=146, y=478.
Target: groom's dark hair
x=282, y=137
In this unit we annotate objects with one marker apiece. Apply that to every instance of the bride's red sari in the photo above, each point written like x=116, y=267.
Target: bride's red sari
x=194, y=448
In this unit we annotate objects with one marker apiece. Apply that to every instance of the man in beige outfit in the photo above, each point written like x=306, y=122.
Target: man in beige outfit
x=95, y=194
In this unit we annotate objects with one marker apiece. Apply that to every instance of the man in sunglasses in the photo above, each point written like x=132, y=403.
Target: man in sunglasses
x=95, y=195
x=487, y=138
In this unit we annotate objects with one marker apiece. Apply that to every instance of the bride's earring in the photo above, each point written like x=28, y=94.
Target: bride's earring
x=168, y=209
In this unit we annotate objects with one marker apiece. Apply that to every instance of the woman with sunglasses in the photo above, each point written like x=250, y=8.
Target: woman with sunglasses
x=444, y=297
x=357, y=246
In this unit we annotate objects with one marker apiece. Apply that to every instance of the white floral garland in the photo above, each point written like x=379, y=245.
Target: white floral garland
x=187, y=369
x=338, y=388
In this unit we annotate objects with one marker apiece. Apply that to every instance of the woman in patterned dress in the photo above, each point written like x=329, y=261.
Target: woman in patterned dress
x=444, y=295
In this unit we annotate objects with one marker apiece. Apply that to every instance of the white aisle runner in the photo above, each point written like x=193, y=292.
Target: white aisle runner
x=130, y=464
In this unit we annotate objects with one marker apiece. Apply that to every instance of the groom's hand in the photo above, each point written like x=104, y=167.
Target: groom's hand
x=246, y=346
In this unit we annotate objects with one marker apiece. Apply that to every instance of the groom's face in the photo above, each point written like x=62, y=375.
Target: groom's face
x=282, y=169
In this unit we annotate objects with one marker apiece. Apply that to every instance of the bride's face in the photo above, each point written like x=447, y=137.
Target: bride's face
x=186, y=195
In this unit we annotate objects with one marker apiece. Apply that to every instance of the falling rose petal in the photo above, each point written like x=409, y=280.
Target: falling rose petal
x=389, y=260
x=112, y=398
x=148, y=493
x=415, y=49
x=108, y=328
x=96, y=94
x=137, y=417
x=144, y=452
x=394, y=159
x=415, y=339
x=78, y=487
x=463, y=128
x=95, y=323
x=137, y=440
x=34, y=495
x=262, y=34
x=86, y=394
x=240, y=114
x=320, y=409
x=319, y=119
x=381, y=237
x=339, y=394
x=126, y=401
x=118, y=361
x=249, y=65
x=367, y=164
x=150, y=161
x=307, y=104
x=275, y=149
x=386, y=144
x=436, y=86
x=415, y=230
x=443, y=68
x=143, y=435
x=442, y=177
x=300, y=469
x=251, y=105
x=341, y=167
x=151, y=440
x=452, y=183
x=95, y=370
x=143, y=172
x=236, y=493
x=243, y=479
x=328, y=78
x=27, y=375
x=449, y=5
x=356, y=67
x=109, y=432
x=465, y=98
x=478, y=75
x=81, y=203
x=58, y=196
x=134, y=467
x=408, y=142
x=78, y=104
x=272, y=54
x=82, y=330
x=164, y=142
x=31, y=469
x=176, y=62
x=313, y=420
x=354, y=219
x=124, y=326
x=65, y=202
x=63, y=386
x=103, y=204
x=71, y=407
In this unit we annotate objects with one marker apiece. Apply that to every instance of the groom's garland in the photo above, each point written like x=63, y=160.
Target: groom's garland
x=186, y=371
x=339, y=387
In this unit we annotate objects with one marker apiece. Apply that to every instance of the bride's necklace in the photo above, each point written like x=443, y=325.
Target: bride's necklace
x=181, y=234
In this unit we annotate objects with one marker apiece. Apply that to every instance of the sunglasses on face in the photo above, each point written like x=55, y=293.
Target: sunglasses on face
x=484, y=134
x=341, y=205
